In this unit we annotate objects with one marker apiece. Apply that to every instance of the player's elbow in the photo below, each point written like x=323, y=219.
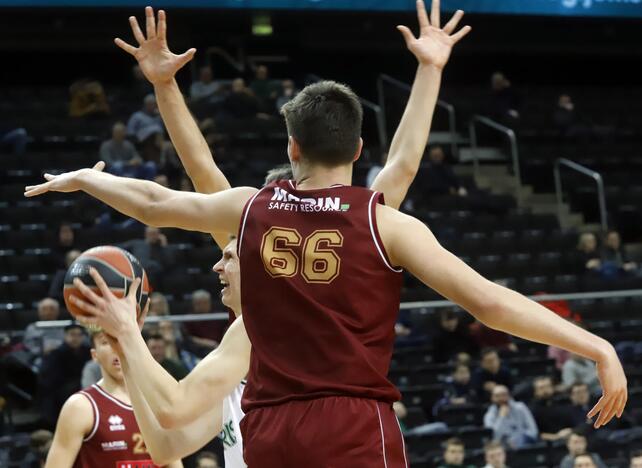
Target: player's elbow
x=487, y=308
x=168, y=418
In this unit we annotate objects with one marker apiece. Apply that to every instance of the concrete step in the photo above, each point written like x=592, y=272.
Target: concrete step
x=483, y=154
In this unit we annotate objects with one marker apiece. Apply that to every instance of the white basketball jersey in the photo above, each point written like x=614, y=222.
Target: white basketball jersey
x=231, y=433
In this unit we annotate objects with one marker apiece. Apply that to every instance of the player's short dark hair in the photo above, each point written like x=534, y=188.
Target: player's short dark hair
x=73, y=326
x=282, y=172
x=492, y=444
x=636, y=454
x=454, y=441
x=154, y=337
x=93, y=333
x=325, y=120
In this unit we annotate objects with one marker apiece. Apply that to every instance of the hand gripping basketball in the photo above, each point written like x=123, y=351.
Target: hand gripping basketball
x=112, y=314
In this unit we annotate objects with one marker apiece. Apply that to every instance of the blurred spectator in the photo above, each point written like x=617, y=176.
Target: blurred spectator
x=554, y=421
x=580, y=404
x=589, y=256
x=60, y=372
x=578, y=369
x=440, y=177
x=158, y=349
x=207, y=460
x=451, y=337
x=614, y=259
x=486, y=337
x=205, y=88
x=91, y=374
x=175, y=348
x=288, y=91
x=636, y=459
x=511, y=421
x=161, y=179
x=584, y=461
x=58, y=281
x=145, y=122
x=566, y=120
x=241, y=103
x=152, y=252
x=40, y=443
x=459, y=390
x=265, y=89
x=158, y=306
x=66, y=241
x=454, y=454
x=490, y=374
x=505, y=104
x=14, y=138
x=577, y=446
x=140, y=87
x=495, y=455
x=42, y=341
x=88, y=99
x=208, y=334
x=121, y=156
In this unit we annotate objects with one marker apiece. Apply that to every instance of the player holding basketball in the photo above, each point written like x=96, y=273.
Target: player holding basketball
x=326, y=259
x=96, y=426
x=160, y=66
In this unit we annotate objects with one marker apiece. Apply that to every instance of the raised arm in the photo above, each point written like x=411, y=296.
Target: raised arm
x=174, y=404
x=160, y=65
x=411, y=245
x=151, y=203
x=432, y=50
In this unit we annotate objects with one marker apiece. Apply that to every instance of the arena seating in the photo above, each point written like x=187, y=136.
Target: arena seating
x=524, y=250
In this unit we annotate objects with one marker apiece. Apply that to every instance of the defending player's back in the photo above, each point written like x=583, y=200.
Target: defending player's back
x=317, y=257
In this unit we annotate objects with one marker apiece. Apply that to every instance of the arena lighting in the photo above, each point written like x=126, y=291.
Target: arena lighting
x=262, y=25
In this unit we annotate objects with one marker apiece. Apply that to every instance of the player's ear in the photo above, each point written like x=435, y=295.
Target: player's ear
x=94, y=356
x=294, y=150
x=359, y=149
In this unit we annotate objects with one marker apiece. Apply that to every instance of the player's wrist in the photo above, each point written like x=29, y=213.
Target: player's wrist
x=165, y=85
x=429, y=67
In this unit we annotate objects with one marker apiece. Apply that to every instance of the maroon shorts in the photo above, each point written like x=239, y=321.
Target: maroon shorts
x=332, y=432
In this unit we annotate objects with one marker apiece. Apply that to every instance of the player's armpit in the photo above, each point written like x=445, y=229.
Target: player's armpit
x=75, y=421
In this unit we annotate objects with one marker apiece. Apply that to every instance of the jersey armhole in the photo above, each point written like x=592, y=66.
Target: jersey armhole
x=96, y=414
x=246, y=211
x=375, y=199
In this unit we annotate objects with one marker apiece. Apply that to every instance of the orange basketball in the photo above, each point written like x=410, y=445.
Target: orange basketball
x=117, y=267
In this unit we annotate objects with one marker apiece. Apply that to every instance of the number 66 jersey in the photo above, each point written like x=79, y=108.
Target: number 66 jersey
x=319, y=295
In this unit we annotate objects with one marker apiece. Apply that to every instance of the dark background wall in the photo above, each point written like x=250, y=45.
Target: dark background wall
x=55, y=46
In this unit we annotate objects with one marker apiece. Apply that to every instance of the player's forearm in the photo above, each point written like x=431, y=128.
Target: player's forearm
x=519, y=316
x=159, y=389
x=158, y=441
x=191, y=147
x=410, y=139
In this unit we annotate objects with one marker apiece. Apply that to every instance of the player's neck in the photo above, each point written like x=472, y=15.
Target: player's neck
x=318, y=177
x=116, y=388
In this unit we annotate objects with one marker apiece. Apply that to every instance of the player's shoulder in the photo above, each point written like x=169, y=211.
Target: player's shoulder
x=387, y=215
x=79, y=409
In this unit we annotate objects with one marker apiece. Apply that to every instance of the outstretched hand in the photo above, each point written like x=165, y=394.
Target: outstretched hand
x=156, y=61
x=434, y=44
x=65, y=182
x=614, y=390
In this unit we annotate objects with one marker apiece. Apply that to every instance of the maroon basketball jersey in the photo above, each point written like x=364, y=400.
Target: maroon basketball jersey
x=319, y=295
x=115, y=440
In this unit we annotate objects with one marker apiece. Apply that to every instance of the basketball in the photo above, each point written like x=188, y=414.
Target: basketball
x=117, y=267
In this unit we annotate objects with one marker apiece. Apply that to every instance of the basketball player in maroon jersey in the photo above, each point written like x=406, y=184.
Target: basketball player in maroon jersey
x=96, y=426
x=321, y=264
